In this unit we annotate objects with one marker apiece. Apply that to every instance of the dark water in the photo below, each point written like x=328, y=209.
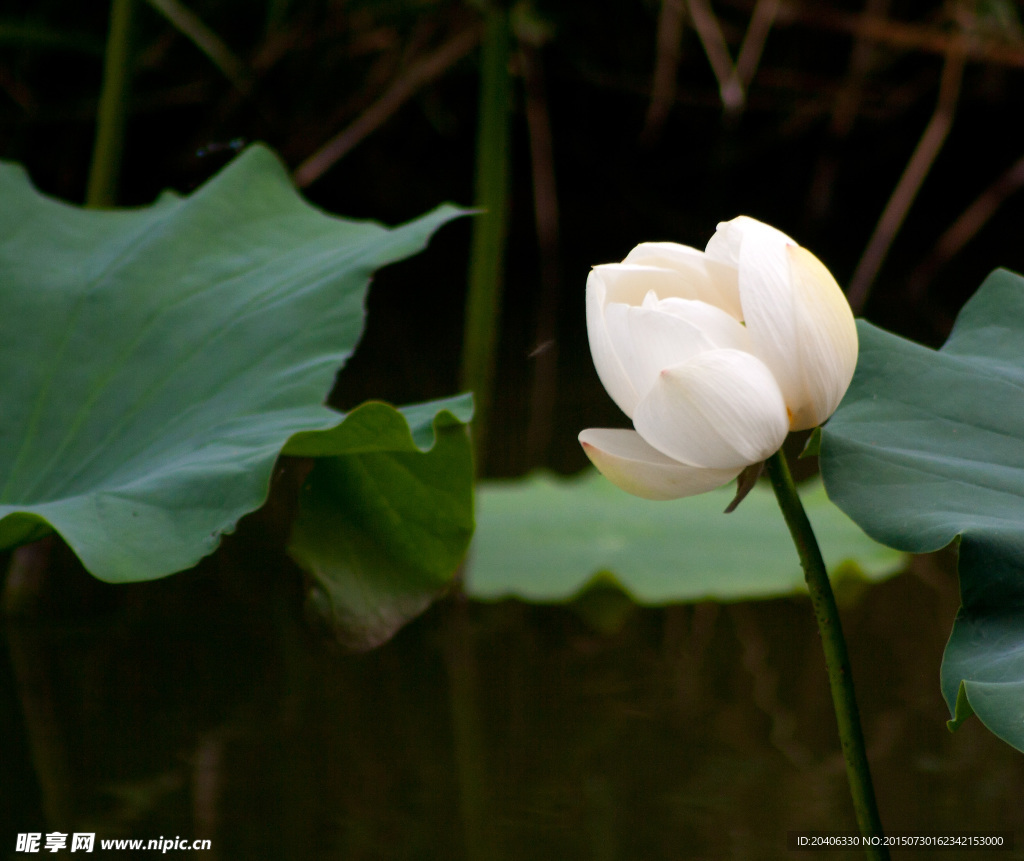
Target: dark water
x=204, y=707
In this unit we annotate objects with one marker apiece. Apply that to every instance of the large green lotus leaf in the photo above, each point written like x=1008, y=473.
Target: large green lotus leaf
x=383, y=528
x=548, y=539
x=928, y=446
x=155, y=361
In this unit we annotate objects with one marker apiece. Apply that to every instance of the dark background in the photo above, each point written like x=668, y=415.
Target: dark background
x=837, y=105
x=203, y=705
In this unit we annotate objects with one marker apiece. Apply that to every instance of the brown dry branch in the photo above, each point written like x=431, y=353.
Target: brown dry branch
x=666, y=66
x=760, y=26
x=418, y=75
x=862, y=60
x=963, y=230
x=384, y=49
x=386, y=45
x=710, y=33
x=909, y=184
x=278, y=44
x=863, y=57
x=193, y=28
x=734, y=78
x=927, y=38
x=545, y=204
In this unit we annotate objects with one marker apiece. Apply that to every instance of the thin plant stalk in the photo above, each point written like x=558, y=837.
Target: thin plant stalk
x=545, y=204
x=709, y=31
x=761, y=21
x=903, y=196
x=50, y=740
x=405, y=86
x=483, y=302
x=668, y=47
x=837, y=662
x=206, y=40
x=961, y=231
x=468, y=736
x=101, y=190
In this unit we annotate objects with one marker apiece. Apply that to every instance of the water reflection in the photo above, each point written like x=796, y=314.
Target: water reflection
x=203, y=706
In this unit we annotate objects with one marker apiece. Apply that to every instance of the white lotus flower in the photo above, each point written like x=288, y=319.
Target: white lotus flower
x=715, y=355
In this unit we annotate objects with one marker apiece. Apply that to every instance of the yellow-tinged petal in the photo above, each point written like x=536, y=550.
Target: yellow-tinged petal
x=827, y=344
x=628, y=462
x=722, y=409
x=799, y=321
x=766, y=291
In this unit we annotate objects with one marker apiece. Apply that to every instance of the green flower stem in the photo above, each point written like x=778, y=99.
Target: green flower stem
x=483, y=300
x=113, y=108
x=844, y=701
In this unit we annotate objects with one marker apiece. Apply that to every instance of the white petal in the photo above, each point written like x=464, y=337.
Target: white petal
x=612, y=343
x=719, y=327
x=630, y=283
x=631, y=464
x=648, y=339
x=670, y=255
x=721, y=409
x=729, y=237
x=827, y=339
x=607, y=363
x=769, y=302
x=706, y=279
x=799, y=321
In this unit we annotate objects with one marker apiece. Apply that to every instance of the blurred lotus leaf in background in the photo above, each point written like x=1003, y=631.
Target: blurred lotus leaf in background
x=548, y=539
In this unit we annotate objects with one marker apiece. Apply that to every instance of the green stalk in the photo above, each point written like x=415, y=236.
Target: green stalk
x=483, y=301
x=468, y=736
x=113, y=108
x=844, y=700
